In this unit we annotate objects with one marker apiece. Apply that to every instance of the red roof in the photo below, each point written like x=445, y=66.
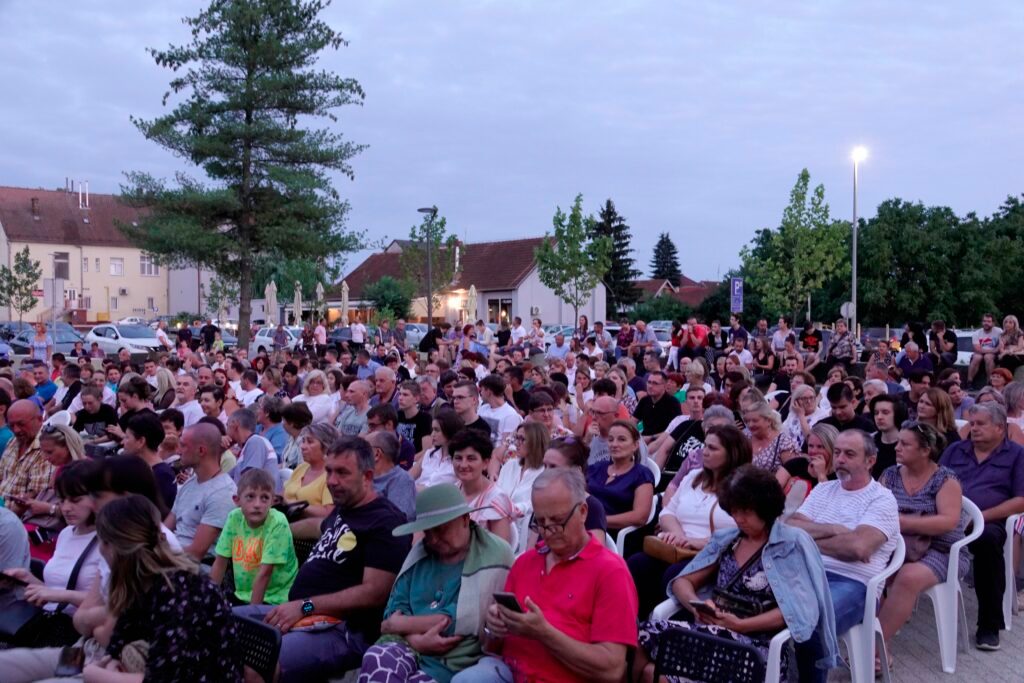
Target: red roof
x=688, y=291
x=491, y=266
x=58, y=220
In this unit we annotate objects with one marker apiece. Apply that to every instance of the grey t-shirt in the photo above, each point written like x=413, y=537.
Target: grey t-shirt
x=599, y=450
x=13, y=541
x=398, y=487
x=202, y=503
x=257, y=452
x=987, y=340
x=352, y=422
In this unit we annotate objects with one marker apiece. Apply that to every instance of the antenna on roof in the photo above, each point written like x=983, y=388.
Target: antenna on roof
x=87, y=194
x=79, y=194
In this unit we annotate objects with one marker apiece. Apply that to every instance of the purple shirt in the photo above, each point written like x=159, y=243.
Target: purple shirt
x=907, y=366
x=991, y=482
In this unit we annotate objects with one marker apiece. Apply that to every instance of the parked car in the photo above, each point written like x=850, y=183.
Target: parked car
x=131, y=320
x=414, y=333
x=63, y=341
x=263, y=341
x=12, y=328
x=112, y=337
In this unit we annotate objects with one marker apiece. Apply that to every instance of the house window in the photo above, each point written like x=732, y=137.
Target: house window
x=113, y=303
x=147, y=266
x=87, y=303
x=117, y=267
x=97, y=264
x=61, y=265
x=85, y=265
x=150, y=304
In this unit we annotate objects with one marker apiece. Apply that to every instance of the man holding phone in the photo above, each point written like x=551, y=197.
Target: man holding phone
x=568, y=612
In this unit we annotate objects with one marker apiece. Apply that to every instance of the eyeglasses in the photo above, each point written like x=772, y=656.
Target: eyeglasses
x=519, y=438
x=545, y=409
x=555, y=528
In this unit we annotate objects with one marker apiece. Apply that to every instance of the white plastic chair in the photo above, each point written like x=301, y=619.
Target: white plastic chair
x=667, y=608
x=861, y=639
x=60, y=418
x=620, y=538
x=1010, y=592
x=948, y=599
x=609, y=543
x=655, y=470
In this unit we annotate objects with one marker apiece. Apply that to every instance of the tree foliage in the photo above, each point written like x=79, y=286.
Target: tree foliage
x=17, y=284
x=573, y=260
x=429, y=238
x=797, y=259
x=665, y=262
x=620, y=292
x=391, y=295
x=219, y=296
x=250, y=87
x=660, y=308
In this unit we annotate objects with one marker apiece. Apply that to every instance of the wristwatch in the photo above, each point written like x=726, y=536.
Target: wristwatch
x=307, y=608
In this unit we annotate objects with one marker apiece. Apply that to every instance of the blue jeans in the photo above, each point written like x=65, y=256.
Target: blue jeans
x=487, y=670
x=848, y=596
x=310, y=656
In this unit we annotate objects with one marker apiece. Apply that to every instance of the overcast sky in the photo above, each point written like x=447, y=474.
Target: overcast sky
x=694, y=118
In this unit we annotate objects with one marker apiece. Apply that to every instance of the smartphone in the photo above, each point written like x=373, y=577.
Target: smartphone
x=71, y=662
x=508, y=601
x=703, y=607
x=11, y=582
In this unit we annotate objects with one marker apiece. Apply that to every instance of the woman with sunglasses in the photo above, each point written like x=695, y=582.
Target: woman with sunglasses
x=931, y=520
x=525, y=464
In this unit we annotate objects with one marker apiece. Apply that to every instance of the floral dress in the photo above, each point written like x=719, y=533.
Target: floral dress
x=752, y=584
x=768, y=457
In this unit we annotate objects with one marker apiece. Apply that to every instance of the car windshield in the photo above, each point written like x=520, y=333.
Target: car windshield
x=662, y=335
x=135, y=332
x=63, y=336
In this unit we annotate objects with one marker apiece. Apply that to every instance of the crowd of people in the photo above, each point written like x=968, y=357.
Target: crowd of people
x=494, y=505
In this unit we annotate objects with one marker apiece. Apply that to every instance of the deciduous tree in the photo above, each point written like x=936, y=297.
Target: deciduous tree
x=17, y=284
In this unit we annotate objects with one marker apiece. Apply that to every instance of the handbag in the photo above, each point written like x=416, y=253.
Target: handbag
x=292, y=511
x=666, y=552
x=743, y=606
x=23, y=624
x=46, y=521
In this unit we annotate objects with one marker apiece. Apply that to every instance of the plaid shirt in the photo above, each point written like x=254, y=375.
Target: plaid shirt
x=24, y=475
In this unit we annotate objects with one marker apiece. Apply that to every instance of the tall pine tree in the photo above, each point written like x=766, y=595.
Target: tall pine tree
x=665, y=264
x=250, y=91
x=620, y=292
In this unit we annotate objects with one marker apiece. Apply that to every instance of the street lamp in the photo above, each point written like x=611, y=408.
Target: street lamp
x=432, y=212
x=859, y=154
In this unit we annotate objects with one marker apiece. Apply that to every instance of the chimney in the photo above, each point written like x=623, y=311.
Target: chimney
x=35, y=208
x=79, y=194
x=87, y=194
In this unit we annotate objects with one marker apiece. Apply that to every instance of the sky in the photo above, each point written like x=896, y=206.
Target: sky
x=694, y=118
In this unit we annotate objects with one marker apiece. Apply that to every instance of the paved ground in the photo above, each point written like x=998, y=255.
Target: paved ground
x=916, y=649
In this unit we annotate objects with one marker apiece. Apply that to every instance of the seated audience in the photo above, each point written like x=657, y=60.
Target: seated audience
x=623, y=484
x=843, y=402
x=524, y=464
x=308, y=482
x=816, y=467
x=433, y=623
x=391, y=481
x=316, y=396
x=771, y=447
x=770, y=566
x=936, y=409
x=434, y=466
x=24, y=472
x=579, y=640
x=715, y=415
x=655, y=410
x=294, y=418
x=471, y=450
x=142, y=438
x=254, y=451
x=889, y=413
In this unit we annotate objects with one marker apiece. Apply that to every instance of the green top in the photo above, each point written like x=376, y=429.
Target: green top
x=248, y=548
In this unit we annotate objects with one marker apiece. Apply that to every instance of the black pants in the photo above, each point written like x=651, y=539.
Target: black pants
x=990, y=576
x=1011, y=363
x=652, y=577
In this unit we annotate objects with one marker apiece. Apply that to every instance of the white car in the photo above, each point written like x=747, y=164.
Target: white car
x=131, y=320
x=113, y=337
x=263, y=342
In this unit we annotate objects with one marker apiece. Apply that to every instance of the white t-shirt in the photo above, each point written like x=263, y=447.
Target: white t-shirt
x=987, y=340
x=358, y=333
x=436, y=469
x=518, y=334
x=161, y=336
x=873, y=505
x=692, y=508
x=502, y=420
x=192, y=411
x=247, y=398
x=321, y=405
x=69, y=548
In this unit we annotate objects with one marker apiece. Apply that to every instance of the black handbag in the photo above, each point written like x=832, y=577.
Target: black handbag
x=743, y=606
x=23, y=624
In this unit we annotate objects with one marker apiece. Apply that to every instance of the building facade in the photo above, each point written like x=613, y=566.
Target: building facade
x=75, y=238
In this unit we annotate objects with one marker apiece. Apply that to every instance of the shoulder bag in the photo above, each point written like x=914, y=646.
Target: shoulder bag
x=743, y=606
x=666, y=552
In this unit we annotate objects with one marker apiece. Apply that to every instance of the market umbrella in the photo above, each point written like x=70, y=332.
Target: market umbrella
x=297, y=304
x=320, y=298
x=471, y=305
x=344, y=303
x=270, y=303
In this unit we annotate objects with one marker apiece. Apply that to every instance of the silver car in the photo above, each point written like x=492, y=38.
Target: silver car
x=112, y=338
x=263, y=341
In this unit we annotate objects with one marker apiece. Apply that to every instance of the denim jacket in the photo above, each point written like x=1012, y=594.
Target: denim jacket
x=796, y=574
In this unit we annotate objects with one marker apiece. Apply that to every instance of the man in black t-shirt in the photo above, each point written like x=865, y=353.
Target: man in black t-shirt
x=348, y=575
x=209, y=333
x=95, y=416
x=658, y=407
x=942, y=345
x=520, y=397
x=810, y=344
x=466, y=401
x=844, y=410
x=413, y=424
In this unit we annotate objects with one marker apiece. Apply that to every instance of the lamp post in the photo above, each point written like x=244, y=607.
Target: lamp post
x=432, y=212
x=858, y=155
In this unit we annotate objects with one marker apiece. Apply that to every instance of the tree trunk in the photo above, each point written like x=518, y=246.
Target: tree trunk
x=245, y=305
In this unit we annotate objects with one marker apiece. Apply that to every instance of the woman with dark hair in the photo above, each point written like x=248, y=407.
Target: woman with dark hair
x=525, y=464
x=764, y=357
x=693, y=514
x=435, y=466
x=159, y=597
x=766, y=576
x=623, y=484
x=931, y=521
x=492, y=508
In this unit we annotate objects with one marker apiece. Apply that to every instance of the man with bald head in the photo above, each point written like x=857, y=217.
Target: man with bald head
x=386, y=387
x=352, y=418
x=603, y=412
x=204, y=501
x=23, y=470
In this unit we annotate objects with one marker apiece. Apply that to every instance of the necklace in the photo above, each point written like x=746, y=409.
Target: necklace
x=448, y=574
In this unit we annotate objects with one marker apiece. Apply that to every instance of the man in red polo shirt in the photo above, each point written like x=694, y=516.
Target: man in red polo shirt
x=579, y=602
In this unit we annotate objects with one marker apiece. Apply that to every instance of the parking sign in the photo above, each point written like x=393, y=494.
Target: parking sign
x=736, y=294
